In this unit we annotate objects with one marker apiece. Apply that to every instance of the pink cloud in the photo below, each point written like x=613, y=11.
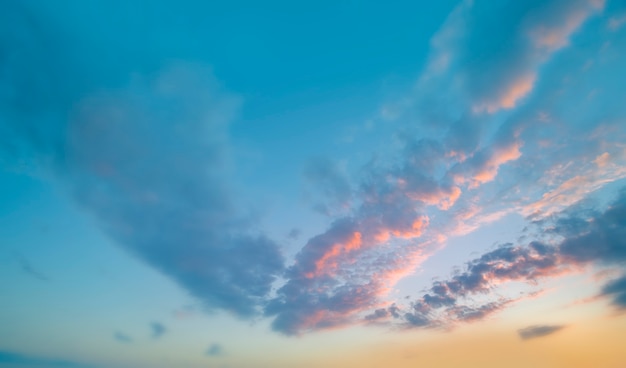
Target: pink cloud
x=489, y=169
x=586, y=179
x=508, y=98
x=442, y=198
x=328, y=262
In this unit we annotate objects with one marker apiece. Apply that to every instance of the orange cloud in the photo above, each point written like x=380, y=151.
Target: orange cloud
x=489, y=170
x=327, y=263
x=556, y=37
x=442, y=198
x=510, y=96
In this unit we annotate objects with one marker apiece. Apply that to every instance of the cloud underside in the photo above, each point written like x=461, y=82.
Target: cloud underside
x=150, y=158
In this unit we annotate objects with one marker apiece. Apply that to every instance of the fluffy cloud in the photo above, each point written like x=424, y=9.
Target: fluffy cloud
x=485, y=59
x=148, y=157
x=584, y=239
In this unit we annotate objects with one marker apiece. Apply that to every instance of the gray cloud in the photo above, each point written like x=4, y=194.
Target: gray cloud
x=158, y=329
x=145, y=151
x=616, y=290
x=533, y=332
x=122, y=337
x=325, y=177
x=215, y=350
x=29, y=269
x=586, y=237
x=294, y=234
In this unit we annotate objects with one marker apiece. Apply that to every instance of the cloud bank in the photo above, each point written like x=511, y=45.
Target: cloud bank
x=148, y=158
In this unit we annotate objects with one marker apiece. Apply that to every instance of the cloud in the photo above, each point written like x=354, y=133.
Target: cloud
x=294, y=234
x=29, y=269
x=446, y=302
x=144, y=151
x=378, y=314
x=533, y=332
x=17, y=359
x=616, y=22
x=616, y=290
x=325, y=177
x=514, y=56
x=215, y=350
x=584, y=238
x=599, y=238
x=487, y=58
x=158, y=329
x=483, y=166
x=122, y=337
x=446, y=179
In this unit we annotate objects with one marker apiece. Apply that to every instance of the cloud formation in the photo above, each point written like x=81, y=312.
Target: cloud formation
x=579, y=238
x=486, y=60
x=215, y=350
x=146, y=151
x=29, y=269
x=122, y=337
x=158, y=329
x=533, y=332
x=616, y=290
x=148, y=158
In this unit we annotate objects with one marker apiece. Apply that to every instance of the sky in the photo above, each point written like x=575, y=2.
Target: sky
x=351, y=183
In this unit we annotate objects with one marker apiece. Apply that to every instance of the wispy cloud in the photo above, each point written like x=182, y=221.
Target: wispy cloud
x=20, y=360
x=158, y=329
x=533, y=332
x=29, y=269
x=122, y=337
x=215, y=350
x=324, y=176
x=616, y=290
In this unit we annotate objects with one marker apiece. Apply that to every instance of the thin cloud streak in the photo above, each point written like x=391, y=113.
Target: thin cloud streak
x=533, y=332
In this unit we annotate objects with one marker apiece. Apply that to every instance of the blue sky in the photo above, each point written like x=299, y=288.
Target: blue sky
x=241, y=184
